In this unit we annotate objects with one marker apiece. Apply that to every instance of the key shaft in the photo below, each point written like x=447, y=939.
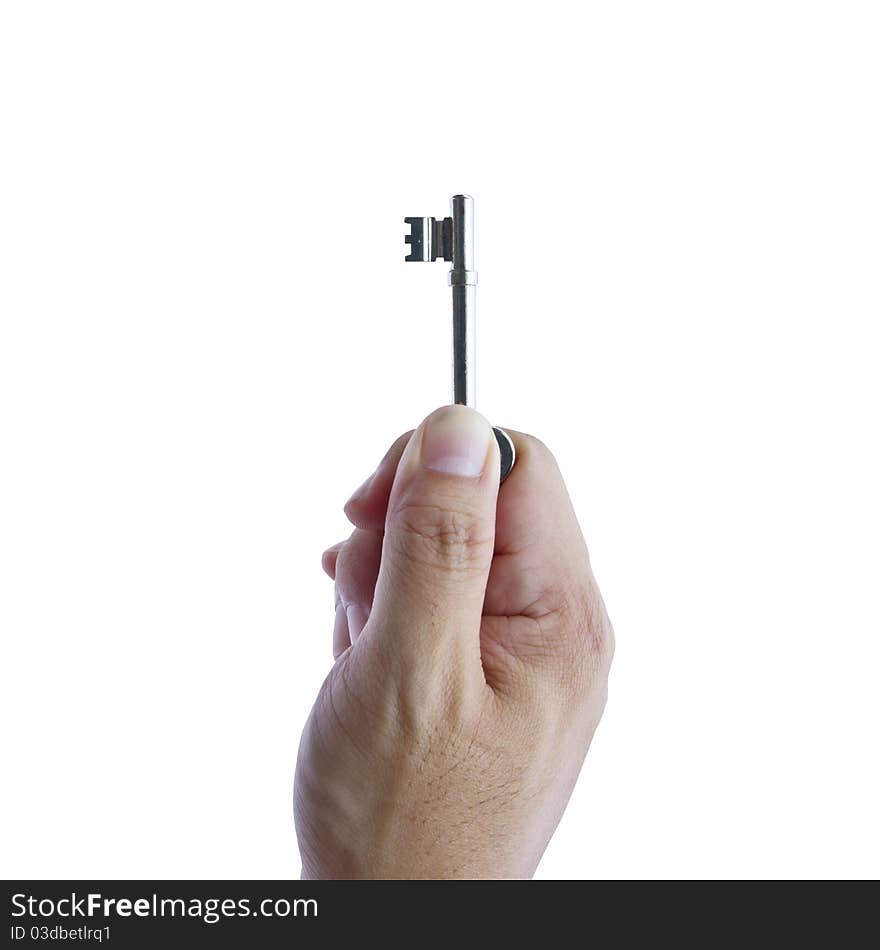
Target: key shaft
x=463, y=280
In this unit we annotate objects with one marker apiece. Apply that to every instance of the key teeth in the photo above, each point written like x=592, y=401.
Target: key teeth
x=408, y=239
x=416, y=239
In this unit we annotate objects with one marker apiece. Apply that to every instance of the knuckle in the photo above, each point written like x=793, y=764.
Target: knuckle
x=591, y=631
x=576, y=640
x=538, y=452
x=454, y=540
x=345, y=570
x=355, y=570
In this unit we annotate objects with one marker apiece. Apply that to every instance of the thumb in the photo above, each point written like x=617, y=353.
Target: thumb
x=439, y=538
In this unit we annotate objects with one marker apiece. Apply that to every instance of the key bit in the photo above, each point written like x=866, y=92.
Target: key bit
x=452, y=239
x=429, y=239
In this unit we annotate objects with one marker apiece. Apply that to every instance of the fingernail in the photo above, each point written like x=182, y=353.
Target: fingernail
x=456, y=442
x=361, y=490
x=357, y=620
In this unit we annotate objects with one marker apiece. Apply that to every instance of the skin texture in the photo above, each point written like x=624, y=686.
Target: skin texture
x=471, y=651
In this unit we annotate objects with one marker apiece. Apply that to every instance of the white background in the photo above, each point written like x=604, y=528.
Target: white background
x=209, y=338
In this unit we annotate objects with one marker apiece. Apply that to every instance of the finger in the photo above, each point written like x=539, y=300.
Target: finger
x=439, y=538
x=367, y=506
x=357, y=567
x=535, y=506
x=539, y=548
x=543, y=610
x=328, y=559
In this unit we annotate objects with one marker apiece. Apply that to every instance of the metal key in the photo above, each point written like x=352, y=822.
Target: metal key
x=452, y=239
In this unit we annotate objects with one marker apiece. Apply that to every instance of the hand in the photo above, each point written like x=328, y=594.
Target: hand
x=472, y=652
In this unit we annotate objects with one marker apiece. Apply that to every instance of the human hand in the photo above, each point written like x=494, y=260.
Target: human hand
x=472, y=652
